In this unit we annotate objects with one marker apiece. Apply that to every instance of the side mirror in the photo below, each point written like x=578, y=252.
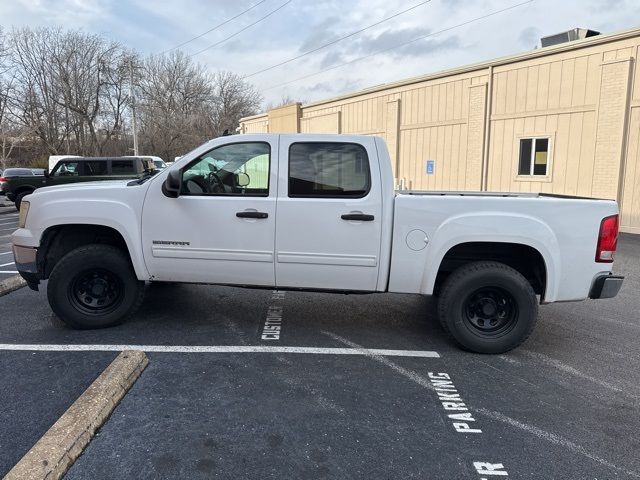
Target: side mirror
x=172, y=184
x=46, y=173
x=242, y=179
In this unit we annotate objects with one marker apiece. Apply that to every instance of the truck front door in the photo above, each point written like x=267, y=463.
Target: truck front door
x=221, y=228
x=329, y=214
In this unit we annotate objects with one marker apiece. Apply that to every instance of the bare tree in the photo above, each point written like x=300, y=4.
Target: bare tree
x=283, y=102
x=234, y=99
x=69, y=92
x=36, y=95
x=90, y=74
x=176, y=98
x=10, y=133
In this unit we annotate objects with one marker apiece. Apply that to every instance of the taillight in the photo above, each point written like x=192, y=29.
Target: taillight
x=607, y=239
x=3, y=179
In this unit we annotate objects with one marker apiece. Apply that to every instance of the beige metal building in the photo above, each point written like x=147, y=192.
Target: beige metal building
x=563, y=119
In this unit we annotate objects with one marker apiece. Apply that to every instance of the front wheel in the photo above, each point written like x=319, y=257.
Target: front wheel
x=94, y=286
x=488, y=307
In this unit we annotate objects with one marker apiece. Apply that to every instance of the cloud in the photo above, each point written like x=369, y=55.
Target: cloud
x=321, y=33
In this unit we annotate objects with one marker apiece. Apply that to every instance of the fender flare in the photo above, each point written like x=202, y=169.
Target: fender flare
x=466, y=228
x=124, y=221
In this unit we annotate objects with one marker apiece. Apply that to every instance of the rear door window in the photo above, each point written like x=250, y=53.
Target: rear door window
x=328, y=170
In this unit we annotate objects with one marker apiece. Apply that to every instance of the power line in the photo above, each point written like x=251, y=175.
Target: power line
x=337, y=40
x=242, y=30
x=214, y=28
x=400, y=45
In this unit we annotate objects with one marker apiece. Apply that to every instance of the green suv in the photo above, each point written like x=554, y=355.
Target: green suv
x=79, y=169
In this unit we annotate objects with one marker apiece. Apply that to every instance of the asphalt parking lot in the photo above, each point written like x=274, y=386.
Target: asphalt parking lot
x=8, y=223
x=565, y=405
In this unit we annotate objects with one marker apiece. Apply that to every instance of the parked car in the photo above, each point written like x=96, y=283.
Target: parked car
x=17, y=172
x=316, y=212
x=78, y=169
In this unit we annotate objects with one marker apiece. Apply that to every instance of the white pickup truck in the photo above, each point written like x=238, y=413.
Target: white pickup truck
x=315, y=212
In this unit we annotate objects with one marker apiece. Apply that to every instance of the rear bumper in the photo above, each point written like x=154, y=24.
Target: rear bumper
x=606, y=286
x=26, y=263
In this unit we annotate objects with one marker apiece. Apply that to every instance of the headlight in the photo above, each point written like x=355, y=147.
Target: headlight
x=24, y=211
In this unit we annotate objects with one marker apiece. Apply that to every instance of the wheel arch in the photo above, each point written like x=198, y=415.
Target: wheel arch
x=494, y=236
x=58, y=240
x=523, y=258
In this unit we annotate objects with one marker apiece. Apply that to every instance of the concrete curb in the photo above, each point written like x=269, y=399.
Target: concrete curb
x=65, y=441
x=11, y=284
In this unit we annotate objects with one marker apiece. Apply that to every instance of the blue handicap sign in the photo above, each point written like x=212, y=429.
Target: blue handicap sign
x=431, y=165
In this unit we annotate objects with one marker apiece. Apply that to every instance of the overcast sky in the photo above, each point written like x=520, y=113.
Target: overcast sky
x=302, y=25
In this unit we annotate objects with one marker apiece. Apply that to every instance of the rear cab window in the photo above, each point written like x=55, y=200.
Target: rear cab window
x=328, y=170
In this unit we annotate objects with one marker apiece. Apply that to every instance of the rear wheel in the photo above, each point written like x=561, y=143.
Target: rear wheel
x=19, y=198
x=488, y=307
x=94, y=286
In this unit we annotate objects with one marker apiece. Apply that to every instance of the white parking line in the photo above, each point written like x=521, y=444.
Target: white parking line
x=5, y=253
x=8, y=271
x=12, y=229
x=6, y=264
x=218, y=349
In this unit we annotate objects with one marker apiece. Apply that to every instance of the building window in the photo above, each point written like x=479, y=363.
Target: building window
x=534, y=157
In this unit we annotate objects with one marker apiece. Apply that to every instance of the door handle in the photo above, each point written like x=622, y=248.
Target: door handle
x=252, y=214
x=360, y=217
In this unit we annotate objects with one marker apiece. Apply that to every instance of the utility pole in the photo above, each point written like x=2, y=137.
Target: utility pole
x=133, y=110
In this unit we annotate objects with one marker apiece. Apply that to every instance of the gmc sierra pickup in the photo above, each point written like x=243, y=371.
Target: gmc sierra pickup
x=315, y=212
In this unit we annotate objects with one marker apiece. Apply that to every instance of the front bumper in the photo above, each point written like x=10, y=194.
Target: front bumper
x=26, y=263
x=606, y=286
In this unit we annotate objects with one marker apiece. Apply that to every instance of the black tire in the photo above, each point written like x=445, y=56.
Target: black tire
x=19, y=198
x=487, y=307
x=94, y=286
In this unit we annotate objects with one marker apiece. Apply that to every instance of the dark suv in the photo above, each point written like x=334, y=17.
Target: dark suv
x=78, y=169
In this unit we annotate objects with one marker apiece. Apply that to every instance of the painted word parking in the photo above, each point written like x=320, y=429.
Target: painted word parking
x=452, y=402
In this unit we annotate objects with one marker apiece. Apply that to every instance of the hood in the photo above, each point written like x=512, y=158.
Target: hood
x=102, y=184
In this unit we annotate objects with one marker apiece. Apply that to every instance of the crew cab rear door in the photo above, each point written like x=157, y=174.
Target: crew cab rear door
x=329, y=224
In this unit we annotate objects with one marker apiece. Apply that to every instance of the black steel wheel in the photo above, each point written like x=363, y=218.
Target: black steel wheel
x=94, y=286
x=490, y=311
x=96, y=291
x=487, y=307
